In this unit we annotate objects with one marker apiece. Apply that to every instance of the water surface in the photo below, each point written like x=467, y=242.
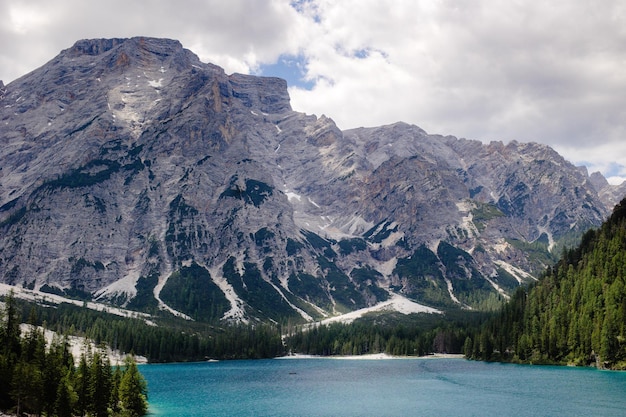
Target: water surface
x=396, y=387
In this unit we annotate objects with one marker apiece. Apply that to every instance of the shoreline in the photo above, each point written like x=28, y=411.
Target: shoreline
x=374, y=356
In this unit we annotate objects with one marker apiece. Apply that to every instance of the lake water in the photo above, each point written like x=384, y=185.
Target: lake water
x=394, y=387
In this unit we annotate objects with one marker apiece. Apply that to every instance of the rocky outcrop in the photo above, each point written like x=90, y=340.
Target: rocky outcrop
x=610, y=194
x=127, y=165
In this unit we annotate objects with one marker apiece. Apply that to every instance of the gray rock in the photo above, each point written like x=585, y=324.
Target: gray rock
x=124, y=160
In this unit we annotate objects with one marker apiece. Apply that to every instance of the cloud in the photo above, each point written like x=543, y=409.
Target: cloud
x=237, y=35
x=550, y=72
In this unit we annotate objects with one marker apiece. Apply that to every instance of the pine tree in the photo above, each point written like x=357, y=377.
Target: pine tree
x=82, y=385
x=133, y=390
x=66, y=397
x=59, y=362
x=99, y=384
x=10, y=348
x=115, y=390
x=27, y=388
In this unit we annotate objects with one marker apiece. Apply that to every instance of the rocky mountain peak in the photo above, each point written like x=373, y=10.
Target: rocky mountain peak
x=132, y=172
x=610, y=194
x=598, y=180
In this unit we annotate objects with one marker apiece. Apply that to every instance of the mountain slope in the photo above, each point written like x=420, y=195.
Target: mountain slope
x=134, y=173
x=575, y=314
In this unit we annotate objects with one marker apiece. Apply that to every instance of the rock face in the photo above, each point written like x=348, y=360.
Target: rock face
x=132, y=172
x=610, y=195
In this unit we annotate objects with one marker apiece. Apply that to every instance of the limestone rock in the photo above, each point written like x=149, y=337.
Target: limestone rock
x=126, y=161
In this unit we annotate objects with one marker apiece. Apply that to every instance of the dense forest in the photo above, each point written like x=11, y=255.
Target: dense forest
x=40, y=378
x=575, y=314
x=172, y=340
x=393, y=334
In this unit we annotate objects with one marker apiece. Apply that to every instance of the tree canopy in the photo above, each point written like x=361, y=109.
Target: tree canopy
x=38, y=378
x=575, y=314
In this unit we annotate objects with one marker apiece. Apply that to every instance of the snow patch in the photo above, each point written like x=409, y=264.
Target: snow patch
x=517, y=273
x=79, y=345
x=313, y=202
x=396, y=303
x=237, y=310
x=293, y=196
x=45, y=298
x=155, y=83
x=125, y=286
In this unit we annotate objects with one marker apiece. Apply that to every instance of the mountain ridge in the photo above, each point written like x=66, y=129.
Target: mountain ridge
x=126, y=162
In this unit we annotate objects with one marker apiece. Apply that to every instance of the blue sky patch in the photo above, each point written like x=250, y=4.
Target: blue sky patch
x=289, y=67
x=615, y=170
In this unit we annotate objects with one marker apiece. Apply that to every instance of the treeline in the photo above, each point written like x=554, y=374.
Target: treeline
x=575, y=314
x=41, y=379
x=173, y=340
x=415, y=335
x=177, y=340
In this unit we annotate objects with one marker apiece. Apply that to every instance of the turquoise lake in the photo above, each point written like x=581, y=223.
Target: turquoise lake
x=393, y=387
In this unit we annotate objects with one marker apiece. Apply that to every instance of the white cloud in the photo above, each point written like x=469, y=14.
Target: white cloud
x=550, y=72
x=490, y=70
x=236, y=34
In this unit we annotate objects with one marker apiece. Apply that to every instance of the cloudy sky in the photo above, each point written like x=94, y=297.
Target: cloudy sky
x=550, y=71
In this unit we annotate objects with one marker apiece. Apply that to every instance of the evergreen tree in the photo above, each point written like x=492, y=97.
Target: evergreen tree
x=37, y=379
x=10, y=349
x=132, y=390
x=27, y=388
x=82, y=384
x=66, y=397
x=100, y=379
x=115, y=390
x=59, y=363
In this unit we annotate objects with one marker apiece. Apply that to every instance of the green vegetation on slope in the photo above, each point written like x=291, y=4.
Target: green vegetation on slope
x=39, y=378
x=390, y=333
x=171, y=340
x=575, y=314
x=192, y=291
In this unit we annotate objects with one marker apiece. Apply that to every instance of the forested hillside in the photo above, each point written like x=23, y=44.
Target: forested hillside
x=575, y=314
x=170, y=340
x=38, y=378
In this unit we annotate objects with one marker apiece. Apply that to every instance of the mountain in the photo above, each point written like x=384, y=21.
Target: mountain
x=575, y=314
x=609, y=194
x=133, y=173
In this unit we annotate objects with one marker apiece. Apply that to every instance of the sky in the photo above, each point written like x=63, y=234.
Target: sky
x=551, y=71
